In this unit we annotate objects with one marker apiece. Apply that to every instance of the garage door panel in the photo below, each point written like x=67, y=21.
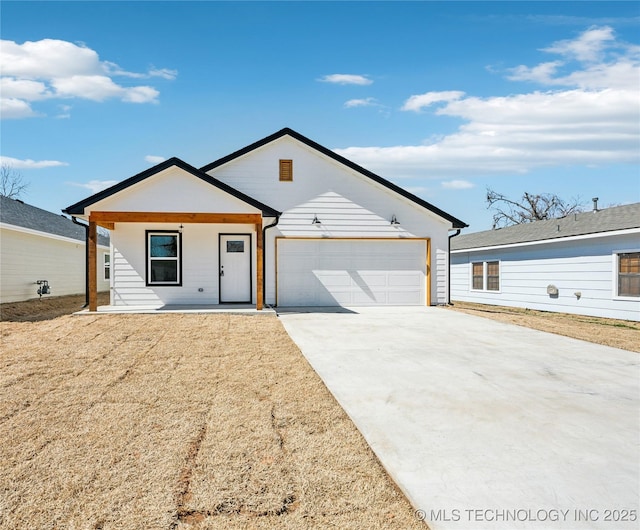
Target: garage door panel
x=404, y=298
x=371, y=278
x=405, y=264
x=294, y=262
x=369, y=298
x=404, y=279
x=333, y=278
x=335, y=272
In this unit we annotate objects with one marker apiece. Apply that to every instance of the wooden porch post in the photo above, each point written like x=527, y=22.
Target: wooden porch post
x=259, y=262
x=92, y=269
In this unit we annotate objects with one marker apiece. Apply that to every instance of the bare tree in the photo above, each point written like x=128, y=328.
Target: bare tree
x=12, y=184
x=531, y=207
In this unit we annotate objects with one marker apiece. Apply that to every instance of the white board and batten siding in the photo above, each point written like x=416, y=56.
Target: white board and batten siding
x=583, y=271
x=30, y=255
x=348, y=205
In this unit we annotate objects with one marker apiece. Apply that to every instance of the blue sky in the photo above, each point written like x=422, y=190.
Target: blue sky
x=442, y=98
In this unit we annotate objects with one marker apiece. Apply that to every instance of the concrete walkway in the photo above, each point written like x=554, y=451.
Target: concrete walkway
x=484, y=424
x=240, y=309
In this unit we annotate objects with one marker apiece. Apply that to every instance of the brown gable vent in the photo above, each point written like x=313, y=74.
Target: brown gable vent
x=286, y=170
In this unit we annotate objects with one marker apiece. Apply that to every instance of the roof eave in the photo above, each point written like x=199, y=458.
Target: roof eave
x=79, y=207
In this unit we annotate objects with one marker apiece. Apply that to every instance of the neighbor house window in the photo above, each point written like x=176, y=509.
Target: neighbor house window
x=478, y=275
x=286, y=170
x=629, y=274
x=164, y=259
x=493, y=276
x=107, y=266
x=485, y=276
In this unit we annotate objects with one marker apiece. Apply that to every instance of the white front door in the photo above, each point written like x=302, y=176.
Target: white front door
x=235, y=268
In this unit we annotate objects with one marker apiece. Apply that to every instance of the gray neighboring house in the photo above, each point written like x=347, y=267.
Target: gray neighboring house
x=39, y=245
x=586, y=263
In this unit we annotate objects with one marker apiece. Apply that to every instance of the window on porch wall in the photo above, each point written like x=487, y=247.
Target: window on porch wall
x=106, y=267
x=163, y=255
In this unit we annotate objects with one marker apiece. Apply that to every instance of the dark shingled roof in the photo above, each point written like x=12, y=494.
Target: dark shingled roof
x=590, y=222
x=17, y=213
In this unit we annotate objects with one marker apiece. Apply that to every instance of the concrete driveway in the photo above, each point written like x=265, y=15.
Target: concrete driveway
x=484, y=424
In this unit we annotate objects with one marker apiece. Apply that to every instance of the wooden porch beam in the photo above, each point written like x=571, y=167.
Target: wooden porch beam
x=92, y=269
x=174, y=217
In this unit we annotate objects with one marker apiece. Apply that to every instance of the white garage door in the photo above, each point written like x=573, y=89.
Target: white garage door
x=351, y=272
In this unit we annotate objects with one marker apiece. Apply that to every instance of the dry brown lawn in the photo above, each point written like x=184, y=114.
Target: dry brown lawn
x=46, y=308
x=607, y=331
x=211, y=421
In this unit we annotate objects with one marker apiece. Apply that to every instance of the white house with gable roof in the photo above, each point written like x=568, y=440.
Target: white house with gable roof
x=283, y=221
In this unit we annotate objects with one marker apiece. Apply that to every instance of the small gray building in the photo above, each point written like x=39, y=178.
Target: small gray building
x=586, y=263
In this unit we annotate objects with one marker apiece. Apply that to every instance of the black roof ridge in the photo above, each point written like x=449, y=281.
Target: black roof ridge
x=78, y=208
x=457, y=223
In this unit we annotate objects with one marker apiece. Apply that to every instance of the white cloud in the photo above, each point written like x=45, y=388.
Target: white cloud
x=47, y=59
x=418, y=102
x=152, y=159
x=420, y=191
x=113, y=69
x=366, y=102
x=16, y=163
x=65, y=111
x=56, y=69
x=164, y=73
x=588, y=47
x=95, y=185
x=604, y=63
x=23, y=88
x=93, y=87
x=594, y=120
x=346, y=79
x=15, y=108
x=457, y=184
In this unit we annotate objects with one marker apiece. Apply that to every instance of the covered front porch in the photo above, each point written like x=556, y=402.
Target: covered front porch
x=179, y=237
x=134, y=272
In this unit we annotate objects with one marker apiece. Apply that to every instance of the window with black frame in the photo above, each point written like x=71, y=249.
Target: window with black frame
x=163, y=258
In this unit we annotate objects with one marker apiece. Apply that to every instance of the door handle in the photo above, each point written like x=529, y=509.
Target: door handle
x=222, y=271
